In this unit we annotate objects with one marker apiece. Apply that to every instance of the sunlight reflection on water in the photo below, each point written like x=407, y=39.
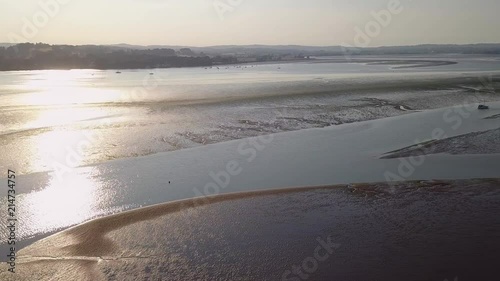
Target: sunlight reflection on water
x=61, y=202
x=75, y=198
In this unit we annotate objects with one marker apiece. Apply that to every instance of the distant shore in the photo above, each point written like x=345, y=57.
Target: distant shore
x=396, y=63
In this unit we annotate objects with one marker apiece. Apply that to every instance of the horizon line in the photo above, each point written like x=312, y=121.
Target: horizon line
x=259, y=45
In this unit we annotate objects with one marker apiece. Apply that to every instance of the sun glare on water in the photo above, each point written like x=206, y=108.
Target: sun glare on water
x=59, y=108
x=62, y=202
x=66, y=87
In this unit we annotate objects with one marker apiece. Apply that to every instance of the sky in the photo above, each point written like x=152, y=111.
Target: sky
x=241, y=22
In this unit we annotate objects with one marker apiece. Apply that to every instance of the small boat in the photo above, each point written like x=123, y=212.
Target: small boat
x=483, y=107
x=118, y=72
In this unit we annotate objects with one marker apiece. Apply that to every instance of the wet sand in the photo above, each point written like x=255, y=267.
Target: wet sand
x=482, y=142
x=198, y=115
x=422, y=230
x=335, y=155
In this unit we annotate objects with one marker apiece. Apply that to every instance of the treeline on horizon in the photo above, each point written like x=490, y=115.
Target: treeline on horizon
x=29, y=56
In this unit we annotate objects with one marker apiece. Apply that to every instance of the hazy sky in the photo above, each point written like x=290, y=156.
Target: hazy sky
x=198, y=23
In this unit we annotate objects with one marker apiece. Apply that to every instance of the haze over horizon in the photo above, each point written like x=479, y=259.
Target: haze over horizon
x=279, y=22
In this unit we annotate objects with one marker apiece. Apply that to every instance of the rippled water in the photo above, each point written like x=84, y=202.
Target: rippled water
x=89, y=115
x=57, y=120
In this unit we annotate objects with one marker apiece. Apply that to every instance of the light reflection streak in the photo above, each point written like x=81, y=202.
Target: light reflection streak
x=62, y=203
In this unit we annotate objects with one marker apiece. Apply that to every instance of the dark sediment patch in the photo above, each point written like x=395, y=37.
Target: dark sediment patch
x=401, y=64
x=485, y=142
x=419, y=230
x=376, y=102
x=496, y=116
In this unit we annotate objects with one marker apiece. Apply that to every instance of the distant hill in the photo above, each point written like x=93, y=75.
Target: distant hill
x=257, y=50
x=334, y=50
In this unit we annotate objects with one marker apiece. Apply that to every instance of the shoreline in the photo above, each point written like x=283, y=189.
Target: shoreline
x=125, y=218
x=338, y=148
x=399, y=61
x=95, y=247
x=349, y=142
x=338, y=103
